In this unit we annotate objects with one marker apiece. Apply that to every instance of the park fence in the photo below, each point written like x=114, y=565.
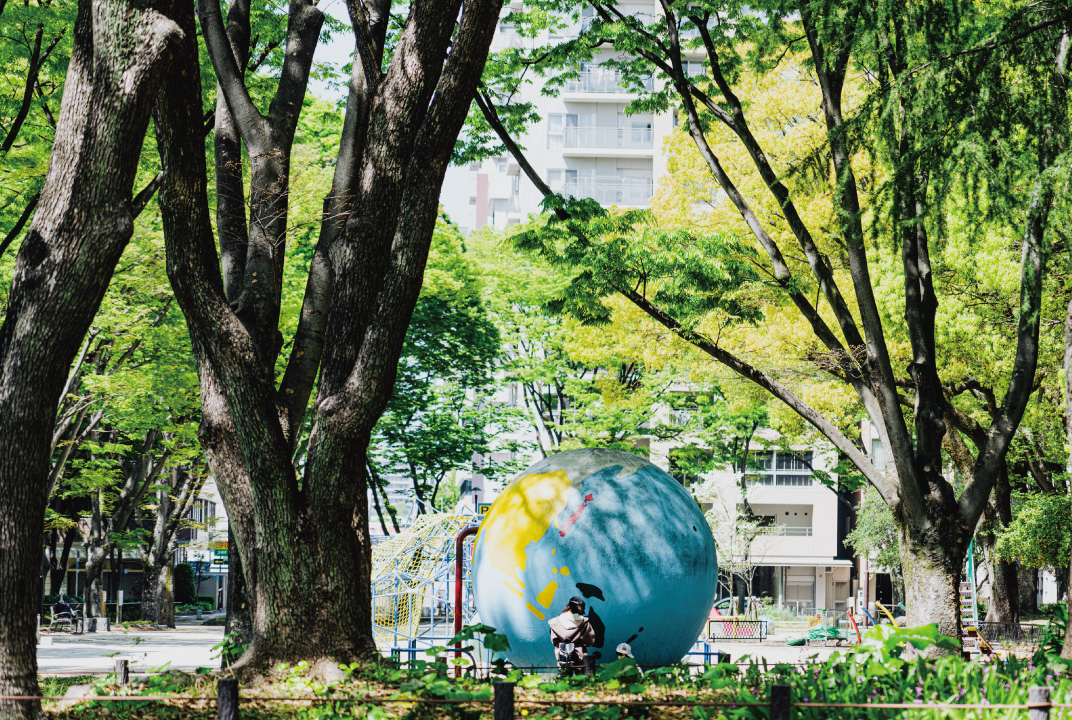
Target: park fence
x=505, y=703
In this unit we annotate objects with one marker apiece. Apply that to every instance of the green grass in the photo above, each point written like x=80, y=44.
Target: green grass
x=56, y=685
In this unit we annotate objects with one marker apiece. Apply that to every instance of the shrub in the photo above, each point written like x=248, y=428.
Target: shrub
x=185, y=592
x=130, y=612
x=194, y=607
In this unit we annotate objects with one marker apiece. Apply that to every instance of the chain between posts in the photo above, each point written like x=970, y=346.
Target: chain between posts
x=504, y=701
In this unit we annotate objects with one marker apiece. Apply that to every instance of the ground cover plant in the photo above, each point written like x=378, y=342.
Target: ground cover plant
x=888, y=667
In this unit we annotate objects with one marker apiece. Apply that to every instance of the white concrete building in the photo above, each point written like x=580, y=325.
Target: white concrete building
x=585, y=144
x=803, y=563
x=204, y=543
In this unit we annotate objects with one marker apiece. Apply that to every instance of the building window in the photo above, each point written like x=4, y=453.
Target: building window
x=203, y=512
x=878, y=453
x=693, y=68
x=780, y=469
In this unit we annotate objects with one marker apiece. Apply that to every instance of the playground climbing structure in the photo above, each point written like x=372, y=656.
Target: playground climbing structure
x=413, y=583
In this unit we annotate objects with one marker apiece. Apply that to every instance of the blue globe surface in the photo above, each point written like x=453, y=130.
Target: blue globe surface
x=608, y=526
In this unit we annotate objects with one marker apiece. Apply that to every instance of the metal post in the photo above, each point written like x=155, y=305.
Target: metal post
x=1038, y=696
x=504, y=700
x=227, y=699
x=459, y=572
x=122, y=671
x=779, y=702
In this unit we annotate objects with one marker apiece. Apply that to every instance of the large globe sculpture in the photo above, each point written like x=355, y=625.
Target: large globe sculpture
x=610, y=527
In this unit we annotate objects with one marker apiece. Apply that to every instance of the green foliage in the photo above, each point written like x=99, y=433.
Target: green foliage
x=1054, y=637
x=875, y=532
x=609, y=253
x=1040, y=535
x=185, y=591
x=230, y=648
x=882, y=671
x=887, y=644
x=57, y=685
x=202, y=605
x=440, y=413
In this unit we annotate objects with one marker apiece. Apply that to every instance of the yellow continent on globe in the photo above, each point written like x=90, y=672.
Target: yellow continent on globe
x=521, y=515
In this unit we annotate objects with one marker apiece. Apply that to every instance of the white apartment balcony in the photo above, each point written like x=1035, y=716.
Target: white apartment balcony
x=599, y=85
x=778, y=549
x=607, y=142
x=611, y=191
x=792, y=531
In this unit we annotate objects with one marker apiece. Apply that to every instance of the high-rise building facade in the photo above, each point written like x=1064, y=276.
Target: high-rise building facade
x=584, y=145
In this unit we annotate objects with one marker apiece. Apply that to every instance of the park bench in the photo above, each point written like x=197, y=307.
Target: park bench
x=65, y=620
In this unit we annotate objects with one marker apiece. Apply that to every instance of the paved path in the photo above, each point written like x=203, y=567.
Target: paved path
x=187, y=647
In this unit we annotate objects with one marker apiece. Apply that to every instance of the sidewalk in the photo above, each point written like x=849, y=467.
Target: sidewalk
x=187, y=647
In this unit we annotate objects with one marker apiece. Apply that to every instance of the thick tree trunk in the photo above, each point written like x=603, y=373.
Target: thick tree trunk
x=1066, y=650
x=83, y=221
x=305, y=549
x=931, y=590
x=932, y=564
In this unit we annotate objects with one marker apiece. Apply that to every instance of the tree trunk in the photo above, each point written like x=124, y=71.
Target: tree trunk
x=1004, y=594
x=83, y=221
x=1027, y=581
x=1005, y=587
x=305, y=548
x=1066, y=649
x=95, y=557
x=932, y=573
x=158, y=599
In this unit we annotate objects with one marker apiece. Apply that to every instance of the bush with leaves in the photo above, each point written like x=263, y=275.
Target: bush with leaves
x=185, y=591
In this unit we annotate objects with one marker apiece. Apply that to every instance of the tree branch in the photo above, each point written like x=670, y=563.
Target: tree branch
x=27, y=213
x=253, y=126
x=27, y=93
x=1021, y=383
x=843, y=444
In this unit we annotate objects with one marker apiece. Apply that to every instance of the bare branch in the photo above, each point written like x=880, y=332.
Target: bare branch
x=27, y=213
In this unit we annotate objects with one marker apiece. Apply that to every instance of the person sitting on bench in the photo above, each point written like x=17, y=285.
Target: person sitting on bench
x=572, y=635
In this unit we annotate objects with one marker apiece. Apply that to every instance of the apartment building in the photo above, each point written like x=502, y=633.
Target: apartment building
x=800, y=558
x=585, y=144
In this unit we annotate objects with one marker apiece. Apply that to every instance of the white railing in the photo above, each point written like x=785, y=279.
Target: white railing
x=624, y=191
x=793, y=531
x=780, y=480
x=607, y=137
x=600, y=81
